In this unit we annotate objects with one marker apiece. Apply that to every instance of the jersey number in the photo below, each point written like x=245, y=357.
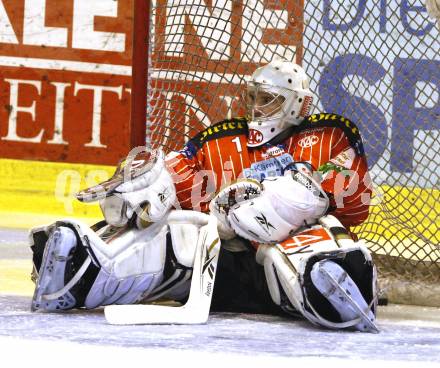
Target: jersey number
x=237, y=142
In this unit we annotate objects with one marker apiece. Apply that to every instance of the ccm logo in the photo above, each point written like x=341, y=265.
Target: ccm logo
x=308, y=141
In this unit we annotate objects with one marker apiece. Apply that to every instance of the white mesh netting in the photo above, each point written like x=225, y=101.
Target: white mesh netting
x=375, y=62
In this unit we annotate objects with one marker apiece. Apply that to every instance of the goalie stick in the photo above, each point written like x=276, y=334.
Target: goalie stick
x=196, y=309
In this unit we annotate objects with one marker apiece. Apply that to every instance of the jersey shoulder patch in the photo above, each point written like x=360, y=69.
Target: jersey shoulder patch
x=224, y=128
x=350, y=129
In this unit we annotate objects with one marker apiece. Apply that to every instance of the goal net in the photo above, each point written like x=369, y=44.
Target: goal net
x=375, y=62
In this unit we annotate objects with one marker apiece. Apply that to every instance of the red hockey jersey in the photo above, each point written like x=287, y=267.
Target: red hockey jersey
x=326, y=144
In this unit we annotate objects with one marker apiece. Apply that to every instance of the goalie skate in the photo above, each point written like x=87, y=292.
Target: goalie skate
x=50, y=292
x=341, y=291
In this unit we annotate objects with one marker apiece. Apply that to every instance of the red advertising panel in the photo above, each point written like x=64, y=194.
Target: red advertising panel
x=65, y=80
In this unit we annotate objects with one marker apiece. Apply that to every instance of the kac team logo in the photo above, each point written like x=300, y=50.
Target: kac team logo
x=255, y=136
x=308, y=141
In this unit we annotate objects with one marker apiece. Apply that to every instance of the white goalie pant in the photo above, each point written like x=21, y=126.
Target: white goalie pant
x=84, y=268
x=322, y=274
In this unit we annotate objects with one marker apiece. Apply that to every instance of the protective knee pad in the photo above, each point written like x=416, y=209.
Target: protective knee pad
x=132, y=271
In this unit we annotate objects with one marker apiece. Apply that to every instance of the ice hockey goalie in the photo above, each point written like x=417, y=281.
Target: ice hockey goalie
x=285, y=187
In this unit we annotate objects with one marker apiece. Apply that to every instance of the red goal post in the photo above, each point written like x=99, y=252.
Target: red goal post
x=377, y=63
x=141, y=26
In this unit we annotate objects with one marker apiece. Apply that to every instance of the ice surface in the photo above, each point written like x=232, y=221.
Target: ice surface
x=409, y=337
x=243, y=336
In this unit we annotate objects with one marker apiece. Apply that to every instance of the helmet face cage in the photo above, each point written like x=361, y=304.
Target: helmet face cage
x=265, y=101
x=277, y=96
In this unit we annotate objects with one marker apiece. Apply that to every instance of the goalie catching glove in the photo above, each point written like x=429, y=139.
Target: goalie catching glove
x=141, y=190
x=270, y=211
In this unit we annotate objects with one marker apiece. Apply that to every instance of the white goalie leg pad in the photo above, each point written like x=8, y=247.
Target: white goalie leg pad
x=120, y=269
x=133, y=264
x=128, y=266
x=309, y=271
x=281, y=278
x=184, y=230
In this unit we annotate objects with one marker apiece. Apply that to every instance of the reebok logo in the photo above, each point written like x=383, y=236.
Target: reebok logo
x=265, y=225
x=163, y=196
x=300, y=178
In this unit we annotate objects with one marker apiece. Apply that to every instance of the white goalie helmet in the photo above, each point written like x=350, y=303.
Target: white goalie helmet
x=277, y=97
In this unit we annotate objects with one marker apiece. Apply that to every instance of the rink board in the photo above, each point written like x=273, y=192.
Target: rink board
x=37, y=192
